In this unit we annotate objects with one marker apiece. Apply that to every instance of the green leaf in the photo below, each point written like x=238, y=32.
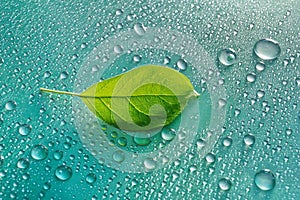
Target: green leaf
x=145, y=98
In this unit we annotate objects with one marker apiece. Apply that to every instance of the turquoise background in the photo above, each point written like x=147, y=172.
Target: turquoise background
x=44, y=43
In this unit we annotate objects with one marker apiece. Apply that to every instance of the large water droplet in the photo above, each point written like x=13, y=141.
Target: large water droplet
x=227, y=57
x=39, y=152
x=10, y=105
x=63, y=172
x=139, y=29
x=225, y=184
x=265, y=180
x=267, y=49
x=24, y=129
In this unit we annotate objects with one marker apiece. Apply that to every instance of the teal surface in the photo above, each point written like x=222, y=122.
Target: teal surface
x=254, y=153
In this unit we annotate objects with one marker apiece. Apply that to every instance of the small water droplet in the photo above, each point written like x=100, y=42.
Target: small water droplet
x=1, y=60
x=222, y=102
x=181, y=64
x=118, y=49
x=227, y=142
x=136, y=58
x=63, y=75
x=57, y=155
x=260, y=94
x=23, y=163
x=225, y=184
x=149, y=164
x=210, y=158
x=260, y=67
x=227, y=57
x=265, y=180
x=39, y=152
x=139, y=29
x=122, y=141
x=119, y=12
x=118, y=156
x=142, y=141
x=167, y=60
x=63, y=173
x=47, y=186
x=24, y=129
x=47, y=74
x=200, y=143
x=10, y=105
x=267, y=49
x=168, y=134
x=251, y=77
x=249, y=139
x=90, y=178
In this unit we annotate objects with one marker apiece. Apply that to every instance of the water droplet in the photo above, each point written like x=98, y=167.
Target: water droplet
x=167, y=60
x=122, y=141
x=47, y=74
x=181, y=64
x=1, y=60
x=251, y=77
x=24, y=129
x=39, y=152
x=210, y=158
x=23, y=163
x=249, y=139
x=57, y=155
x=267, y=49
x=63, y=172
x=222, y=102
x=136, y=58
x=114, y=134
x=200, y=143
x=260, y=94
x=227, y=57
x=118, y=49
x=139, y=29
x=10, y=105
x=47, y=186
x=63, y=75
x=265, y=180
x=149, y=163
x=260, y=67
x=119, y=12
x=142, y=141
x=227, y=142
x=168, y=134
x=118, y=156
x=225, y=184
x=90, y=178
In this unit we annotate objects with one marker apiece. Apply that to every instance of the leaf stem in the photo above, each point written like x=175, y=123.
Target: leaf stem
x=59, y=92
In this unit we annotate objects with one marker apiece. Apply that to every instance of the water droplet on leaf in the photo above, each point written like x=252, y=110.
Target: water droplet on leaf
x=227, y=57
x=267, y=49
x=265, y=180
